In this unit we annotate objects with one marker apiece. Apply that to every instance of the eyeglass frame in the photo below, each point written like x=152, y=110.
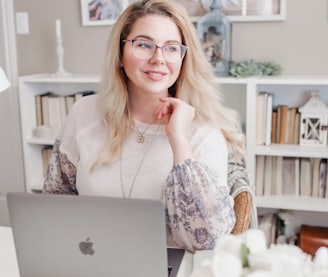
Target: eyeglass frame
x=182, y=47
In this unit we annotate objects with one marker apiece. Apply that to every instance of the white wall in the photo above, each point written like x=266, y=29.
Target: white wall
x=299, y=44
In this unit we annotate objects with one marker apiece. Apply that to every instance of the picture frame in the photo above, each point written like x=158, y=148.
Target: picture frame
x=101, y=12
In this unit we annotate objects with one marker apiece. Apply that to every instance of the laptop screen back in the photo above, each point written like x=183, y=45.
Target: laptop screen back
x=62, y=235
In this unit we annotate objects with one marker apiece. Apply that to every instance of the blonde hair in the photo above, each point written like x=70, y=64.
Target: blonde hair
x=196, y=84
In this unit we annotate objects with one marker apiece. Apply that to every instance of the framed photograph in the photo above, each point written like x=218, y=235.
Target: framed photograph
x=239, y=10
x=101, y=12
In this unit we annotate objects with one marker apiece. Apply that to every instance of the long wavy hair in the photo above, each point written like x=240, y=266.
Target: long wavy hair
x=196, y=85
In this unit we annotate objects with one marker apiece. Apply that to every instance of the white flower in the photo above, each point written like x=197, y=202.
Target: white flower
x=204, y=270
x=255, y=240
x=320, y=261
x=229, y=244
x=226, y=264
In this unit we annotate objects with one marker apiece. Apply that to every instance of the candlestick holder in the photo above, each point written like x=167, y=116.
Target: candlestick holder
x=61, y=72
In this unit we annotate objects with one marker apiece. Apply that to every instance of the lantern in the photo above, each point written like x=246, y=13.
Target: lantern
x=314, y=122
x=214, y=31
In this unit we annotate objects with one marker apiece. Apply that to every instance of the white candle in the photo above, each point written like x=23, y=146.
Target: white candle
x=58, y=28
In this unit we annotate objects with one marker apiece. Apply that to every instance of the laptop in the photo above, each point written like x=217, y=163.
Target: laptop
x=64, y=235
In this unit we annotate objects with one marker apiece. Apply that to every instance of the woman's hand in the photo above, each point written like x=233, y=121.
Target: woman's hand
x=179, y=117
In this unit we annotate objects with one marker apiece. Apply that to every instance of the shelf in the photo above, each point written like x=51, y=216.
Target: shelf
x=232, y=80
x=49, y=78
x=292, y=150
x=39, y=141
x=290, y=202
x=292, y=80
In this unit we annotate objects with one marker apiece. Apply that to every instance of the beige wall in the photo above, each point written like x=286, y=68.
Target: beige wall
x=299, y=44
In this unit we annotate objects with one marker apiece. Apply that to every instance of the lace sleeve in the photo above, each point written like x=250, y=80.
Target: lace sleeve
x=198, y=206
x=61, y=174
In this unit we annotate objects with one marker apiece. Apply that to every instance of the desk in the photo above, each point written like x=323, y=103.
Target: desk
x=9, y=266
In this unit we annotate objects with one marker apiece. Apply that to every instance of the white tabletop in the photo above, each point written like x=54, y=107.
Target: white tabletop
x=8, y=260
x=9, y=266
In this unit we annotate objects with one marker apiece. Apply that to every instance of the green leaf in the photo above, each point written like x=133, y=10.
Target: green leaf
x=244, y=255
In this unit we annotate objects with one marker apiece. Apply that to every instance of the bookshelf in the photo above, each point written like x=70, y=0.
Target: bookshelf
x=239, y=94
x=292, y=91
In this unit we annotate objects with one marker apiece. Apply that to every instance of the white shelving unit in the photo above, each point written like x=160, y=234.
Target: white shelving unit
x=239, y=94
x=293, y=91
x=29, y=87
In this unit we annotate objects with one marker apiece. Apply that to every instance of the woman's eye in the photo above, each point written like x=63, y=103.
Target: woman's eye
x=144, y=45
x=172, y=48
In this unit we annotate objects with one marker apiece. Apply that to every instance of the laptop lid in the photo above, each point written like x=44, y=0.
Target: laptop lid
x=63, y=235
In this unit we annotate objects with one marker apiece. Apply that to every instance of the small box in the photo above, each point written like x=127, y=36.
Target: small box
x=312, y=237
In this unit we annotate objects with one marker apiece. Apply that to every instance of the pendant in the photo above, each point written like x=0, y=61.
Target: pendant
x=140, y=139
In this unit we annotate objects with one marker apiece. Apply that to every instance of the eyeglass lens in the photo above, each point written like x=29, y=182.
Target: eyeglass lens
x=145, y=49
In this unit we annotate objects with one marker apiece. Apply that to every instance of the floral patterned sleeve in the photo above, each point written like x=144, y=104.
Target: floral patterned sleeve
x=61, y=175
x=198, y=208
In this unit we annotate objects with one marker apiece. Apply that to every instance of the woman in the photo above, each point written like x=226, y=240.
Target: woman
x=156, y=129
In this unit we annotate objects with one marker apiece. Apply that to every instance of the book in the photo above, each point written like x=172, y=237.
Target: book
x=268, y=118
x=81, y=94
x=45, y=108
x=306, y=177
x=297, y=163
x=297, y=124
x=283, y=113
x=278, y=124
x=267, y=175
x=322, y=177
x=46, y=155
x=288, y=173
x=291, y=124
x=260, y=161
x=38, y=110
x=261, y=99
x=274, y=127
x=57, y=112
x=279, y=175
x=287, y=127
x=70, y=100
x=315, y=162
x=63, y=109
x=274, y=175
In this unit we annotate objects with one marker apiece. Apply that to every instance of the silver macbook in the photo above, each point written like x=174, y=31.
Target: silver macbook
x=62, y=235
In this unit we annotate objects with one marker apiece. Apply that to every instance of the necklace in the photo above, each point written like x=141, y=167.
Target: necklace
x=141, y=135
x=139, y=166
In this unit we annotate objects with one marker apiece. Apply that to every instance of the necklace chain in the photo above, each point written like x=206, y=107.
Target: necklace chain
x=139, y=166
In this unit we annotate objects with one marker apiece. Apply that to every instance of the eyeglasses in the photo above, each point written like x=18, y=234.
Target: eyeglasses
x=145, y=49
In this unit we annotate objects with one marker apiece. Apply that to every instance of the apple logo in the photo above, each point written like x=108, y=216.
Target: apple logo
x=86, y=247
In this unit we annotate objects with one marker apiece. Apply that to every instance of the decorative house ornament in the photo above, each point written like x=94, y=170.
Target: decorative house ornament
x=314, y=122
x=214, y=31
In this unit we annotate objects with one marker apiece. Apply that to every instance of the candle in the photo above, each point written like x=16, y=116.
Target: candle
x=58, y=28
